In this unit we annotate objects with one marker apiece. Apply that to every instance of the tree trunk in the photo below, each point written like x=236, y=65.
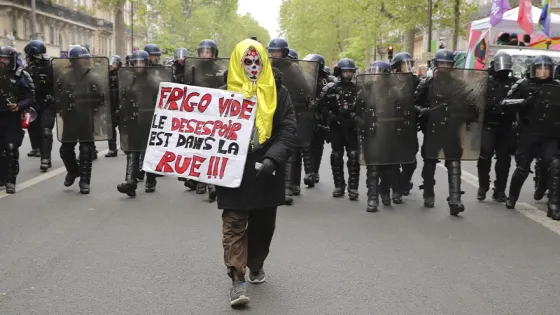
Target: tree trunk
x=457, y=16
x=408, y=41
x=120, y=31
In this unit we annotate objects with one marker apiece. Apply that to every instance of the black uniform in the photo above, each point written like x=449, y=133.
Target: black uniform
x=17, y=88
x=114, y=86
x=496, y=137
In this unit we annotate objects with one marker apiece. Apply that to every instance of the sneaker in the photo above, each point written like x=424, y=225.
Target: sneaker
x=257, y=277
x=237, y=294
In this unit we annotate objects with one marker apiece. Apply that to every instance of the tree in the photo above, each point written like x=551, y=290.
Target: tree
x=117, y=8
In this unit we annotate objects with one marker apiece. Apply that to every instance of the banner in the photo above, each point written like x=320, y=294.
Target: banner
x=200, y=133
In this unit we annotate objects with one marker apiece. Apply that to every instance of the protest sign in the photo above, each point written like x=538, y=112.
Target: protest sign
x=200, y=133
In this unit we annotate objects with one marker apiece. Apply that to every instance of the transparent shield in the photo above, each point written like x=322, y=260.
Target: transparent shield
x=82, y=99
x=456, y=114
x=205, y=72
x=6, y=96
x=386, y=118
x=138, y=91
x=544, y=118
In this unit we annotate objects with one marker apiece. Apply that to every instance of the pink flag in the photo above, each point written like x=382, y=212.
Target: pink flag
x=525, y=17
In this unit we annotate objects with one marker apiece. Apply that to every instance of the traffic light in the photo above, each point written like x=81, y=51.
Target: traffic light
x=390, y=52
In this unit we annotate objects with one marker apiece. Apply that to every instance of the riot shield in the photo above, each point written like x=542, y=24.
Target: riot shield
x=205, y=72
x=138, y=91
x=544, y=118
x=300, y=78
x=386, y=118
x=82, y=99
x=456, y=114
x=5, y=88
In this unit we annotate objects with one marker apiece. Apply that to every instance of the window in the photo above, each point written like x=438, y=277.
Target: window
x=52, y=40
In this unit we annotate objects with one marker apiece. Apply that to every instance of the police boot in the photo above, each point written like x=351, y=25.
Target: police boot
x=190, y=184
x=337, y=165
x=309, y=178
x=112, y=149
x=201, y=188
x=372, y=182
x=129, y=185
x=288, y=172
x=541, y=179
x=86, y=157
x=3, y=164
x=151, y=182
x=296, y=179
x=517, y=179
x=212, y=193
x=394, y=177
x=140, y=174
x=405, y=183
x=454, y=181
x=317, y=156
x=12, y=168
x=353, y=174
x=34, y=153
x=68, y=156
x=483, y=166
x=94, y=153
x=502, y=172
x=46, y=149
x=554, y=199
x=384, y=188
x=428, y=172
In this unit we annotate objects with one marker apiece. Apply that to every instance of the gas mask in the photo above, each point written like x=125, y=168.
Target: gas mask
x=252, y=63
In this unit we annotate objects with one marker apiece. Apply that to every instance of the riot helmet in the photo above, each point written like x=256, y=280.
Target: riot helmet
x=36, y=49
x=207, y=49
x=318, y=58
x=502, y=62
x=8, y=56
x=402, y=62
x=79, y=57
x=293, y=54
x=139, y=58
x=278, y=48
x=115, y=62
x=346, y=69
x=444, y=58
x=154, y=52
x=327, y=70
x=541, y=68
x=180, y=55
x=379, y=67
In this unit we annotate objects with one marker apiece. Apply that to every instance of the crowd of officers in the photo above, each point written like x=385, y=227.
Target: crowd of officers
x=506, y=130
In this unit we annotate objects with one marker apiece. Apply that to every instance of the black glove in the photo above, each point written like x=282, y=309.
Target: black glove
x=267, y=168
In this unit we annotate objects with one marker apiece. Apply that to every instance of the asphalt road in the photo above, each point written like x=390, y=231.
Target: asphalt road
x=65, y=253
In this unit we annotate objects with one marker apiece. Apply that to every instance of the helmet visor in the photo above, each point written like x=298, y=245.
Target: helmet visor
x=541, y=71
x=503, y=63
x=114, y=61
x=181, y=54
x=377, y=70
x=406, y=65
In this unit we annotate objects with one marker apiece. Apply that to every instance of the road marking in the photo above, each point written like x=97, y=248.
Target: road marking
x=43, y=177
x=524, y=208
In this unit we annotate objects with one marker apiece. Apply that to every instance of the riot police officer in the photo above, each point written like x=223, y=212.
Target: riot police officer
x=82, y=102
x=179, y=65
x=278, y=48
x=115, y=63
x=18, y=86
x=532, y=135
x=315, y=150
x=39, y=67
x=443, y=60
x=337, y=106
x=207, y=49
x=155, y=54
x=496, y=135
x=403, y=63
x=328, y=71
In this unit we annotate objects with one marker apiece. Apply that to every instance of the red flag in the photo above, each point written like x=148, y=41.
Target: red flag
x=525, y=17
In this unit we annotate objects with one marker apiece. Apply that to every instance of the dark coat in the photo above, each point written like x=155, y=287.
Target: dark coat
x=267, y=191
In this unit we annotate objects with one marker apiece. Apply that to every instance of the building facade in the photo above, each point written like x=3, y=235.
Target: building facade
x=69, y=22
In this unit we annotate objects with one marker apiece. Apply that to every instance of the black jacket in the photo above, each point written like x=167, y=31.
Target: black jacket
x=267, y=191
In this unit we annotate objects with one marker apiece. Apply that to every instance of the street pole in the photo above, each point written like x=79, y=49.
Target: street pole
x=33, y=20
x=131, y=26
x=429, y=25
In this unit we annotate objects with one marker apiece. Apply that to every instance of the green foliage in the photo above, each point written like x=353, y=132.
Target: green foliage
x=185, y=23
x=355, y=28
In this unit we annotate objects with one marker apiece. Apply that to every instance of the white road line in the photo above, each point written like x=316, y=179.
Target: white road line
x=42, y=177
x=524, y=208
